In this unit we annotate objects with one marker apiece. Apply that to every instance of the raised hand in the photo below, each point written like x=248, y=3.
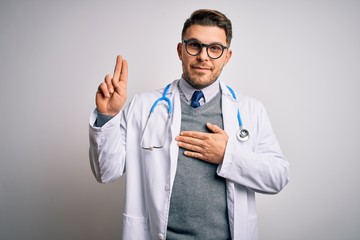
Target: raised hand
x=111, y=94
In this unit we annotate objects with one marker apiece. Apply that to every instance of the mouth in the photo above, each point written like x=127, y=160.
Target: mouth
x=201, y=68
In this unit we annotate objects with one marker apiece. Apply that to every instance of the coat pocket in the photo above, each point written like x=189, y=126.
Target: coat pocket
x=135, y=228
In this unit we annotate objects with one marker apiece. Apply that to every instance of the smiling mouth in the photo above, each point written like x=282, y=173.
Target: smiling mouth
x=201, y=68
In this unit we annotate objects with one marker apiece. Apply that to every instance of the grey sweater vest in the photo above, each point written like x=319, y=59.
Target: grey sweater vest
x=198, y=207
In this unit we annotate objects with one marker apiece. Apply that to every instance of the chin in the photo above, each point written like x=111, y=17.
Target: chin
x=199, y=83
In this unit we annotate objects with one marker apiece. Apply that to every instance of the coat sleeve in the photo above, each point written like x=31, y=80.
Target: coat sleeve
x=107, y=148
x=258, y=164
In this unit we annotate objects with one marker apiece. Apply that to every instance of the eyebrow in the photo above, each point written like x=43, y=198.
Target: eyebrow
x=207, y=43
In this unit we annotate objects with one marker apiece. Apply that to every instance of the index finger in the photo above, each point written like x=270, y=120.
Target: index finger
x=194, y=134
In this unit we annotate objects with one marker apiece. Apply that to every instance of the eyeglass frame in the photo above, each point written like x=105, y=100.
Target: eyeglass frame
x=186, y=41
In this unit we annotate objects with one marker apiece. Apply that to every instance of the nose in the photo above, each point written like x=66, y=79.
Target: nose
x=203, y=56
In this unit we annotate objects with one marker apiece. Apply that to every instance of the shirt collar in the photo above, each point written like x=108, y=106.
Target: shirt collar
x=209, y=91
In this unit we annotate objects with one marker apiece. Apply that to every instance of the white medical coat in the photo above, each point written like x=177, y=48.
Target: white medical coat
x=257, y=165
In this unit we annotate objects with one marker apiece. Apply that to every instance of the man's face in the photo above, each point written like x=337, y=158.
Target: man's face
x=201, y=71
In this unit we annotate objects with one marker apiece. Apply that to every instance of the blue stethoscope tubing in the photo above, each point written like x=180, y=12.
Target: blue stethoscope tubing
x=242, y=134
x=163, y=98
x=144, y=140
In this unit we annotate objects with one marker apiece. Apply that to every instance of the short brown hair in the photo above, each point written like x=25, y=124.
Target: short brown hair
x=207, y=17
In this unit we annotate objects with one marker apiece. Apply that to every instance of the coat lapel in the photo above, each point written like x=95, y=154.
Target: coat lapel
x=229, y=110
x=175, y=127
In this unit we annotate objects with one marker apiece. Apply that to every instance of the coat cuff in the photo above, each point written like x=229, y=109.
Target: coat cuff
x=105, y=121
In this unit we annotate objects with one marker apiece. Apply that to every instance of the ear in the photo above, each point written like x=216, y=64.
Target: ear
x=228, y=55
x=179, y=50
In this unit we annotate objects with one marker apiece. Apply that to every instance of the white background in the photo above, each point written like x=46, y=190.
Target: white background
x=300, y=58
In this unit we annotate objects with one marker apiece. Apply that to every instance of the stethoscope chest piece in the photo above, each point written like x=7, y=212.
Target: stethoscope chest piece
x=243, y=135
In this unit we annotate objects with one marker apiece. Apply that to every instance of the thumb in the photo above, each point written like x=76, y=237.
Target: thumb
x=214, y=128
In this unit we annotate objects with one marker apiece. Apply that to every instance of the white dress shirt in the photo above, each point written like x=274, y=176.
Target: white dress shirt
x=186, y=91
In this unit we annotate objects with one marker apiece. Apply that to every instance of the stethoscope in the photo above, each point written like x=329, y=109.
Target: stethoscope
x=242, y=134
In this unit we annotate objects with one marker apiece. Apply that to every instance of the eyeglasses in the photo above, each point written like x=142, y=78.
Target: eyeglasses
x=214, y=51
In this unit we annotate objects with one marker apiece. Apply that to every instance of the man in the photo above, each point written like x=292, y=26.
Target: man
x=189, y=173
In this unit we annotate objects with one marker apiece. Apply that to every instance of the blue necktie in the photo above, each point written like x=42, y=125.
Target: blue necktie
x=195, y=99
